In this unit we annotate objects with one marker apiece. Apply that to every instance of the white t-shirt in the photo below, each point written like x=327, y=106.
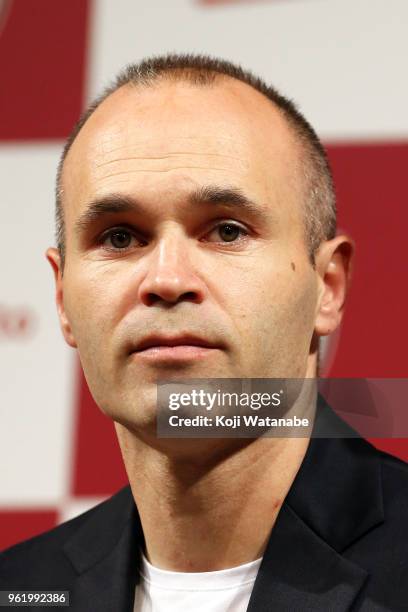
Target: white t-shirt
x=221, y=591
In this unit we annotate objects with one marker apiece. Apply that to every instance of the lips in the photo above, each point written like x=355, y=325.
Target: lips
x=180, y=340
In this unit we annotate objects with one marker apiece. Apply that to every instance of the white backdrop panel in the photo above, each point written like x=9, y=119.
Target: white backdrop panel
x=342, y=60
x=37, y=378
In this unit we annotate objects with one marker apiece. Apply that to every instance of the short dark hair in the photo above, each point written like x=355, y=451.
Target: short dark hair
x=202, y=70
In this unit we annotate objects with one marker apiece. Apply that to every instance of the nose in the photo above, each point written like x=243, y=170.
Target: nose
x=170, y=277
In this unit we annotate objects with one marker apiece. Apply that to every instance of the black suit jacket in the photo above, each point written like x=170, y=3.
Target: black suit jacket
x=340, y=541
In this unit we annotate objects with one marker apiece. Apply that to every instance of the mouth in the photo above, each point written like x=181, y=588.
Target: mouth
x=180, y=348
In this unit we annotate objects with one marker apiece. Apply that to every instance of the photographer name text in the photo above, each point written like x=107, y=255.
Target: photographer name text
x=237, y=421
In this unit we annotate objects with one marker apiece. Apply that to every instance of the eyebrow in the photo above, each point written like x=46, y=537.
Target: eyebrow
x=227, y=197
x=230, y=197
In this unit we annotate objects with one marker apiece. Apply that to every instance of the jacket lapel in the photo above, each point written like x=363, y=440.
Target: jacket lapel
x=301, y=572
x=105, y=554
x=334, y=500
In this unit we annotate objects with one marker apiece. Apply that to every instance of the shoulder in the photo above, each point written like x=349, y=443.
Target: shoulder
x=393, y=466
x=42, y=558
x=394, y=477
x=383, y=550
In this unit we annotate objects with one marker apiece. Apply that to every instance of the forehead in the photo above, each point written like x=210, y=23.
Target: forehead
x=169, y=136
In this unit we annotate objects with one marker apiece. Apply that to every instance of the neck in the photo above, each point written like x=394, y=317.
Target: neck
x=212, y=507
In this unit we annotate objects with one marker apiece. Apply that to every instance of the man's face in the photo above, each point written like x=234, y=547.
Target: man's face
x=183, y=254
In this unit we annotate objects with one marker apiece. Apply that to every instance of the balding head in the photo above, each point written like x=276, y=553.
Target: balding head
x=310, y=163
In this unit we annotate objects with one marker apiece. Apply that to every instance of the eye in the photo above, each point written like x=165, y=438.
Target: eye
x=229, y=231
x=119, y=239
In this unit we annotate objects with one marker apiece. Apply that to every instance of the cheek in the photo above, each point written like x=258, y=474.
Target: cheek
x=90, y=307
x=276, y=310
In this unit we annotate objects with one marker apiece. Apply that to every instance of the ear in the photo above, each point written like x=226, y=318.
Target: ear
x=333, y=265
x=54, y=257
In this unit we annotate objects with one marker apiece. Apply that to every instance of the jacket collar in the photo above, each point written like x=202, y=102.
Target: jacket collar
x=105, y=554
x=335, y=499
x=337, y=491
